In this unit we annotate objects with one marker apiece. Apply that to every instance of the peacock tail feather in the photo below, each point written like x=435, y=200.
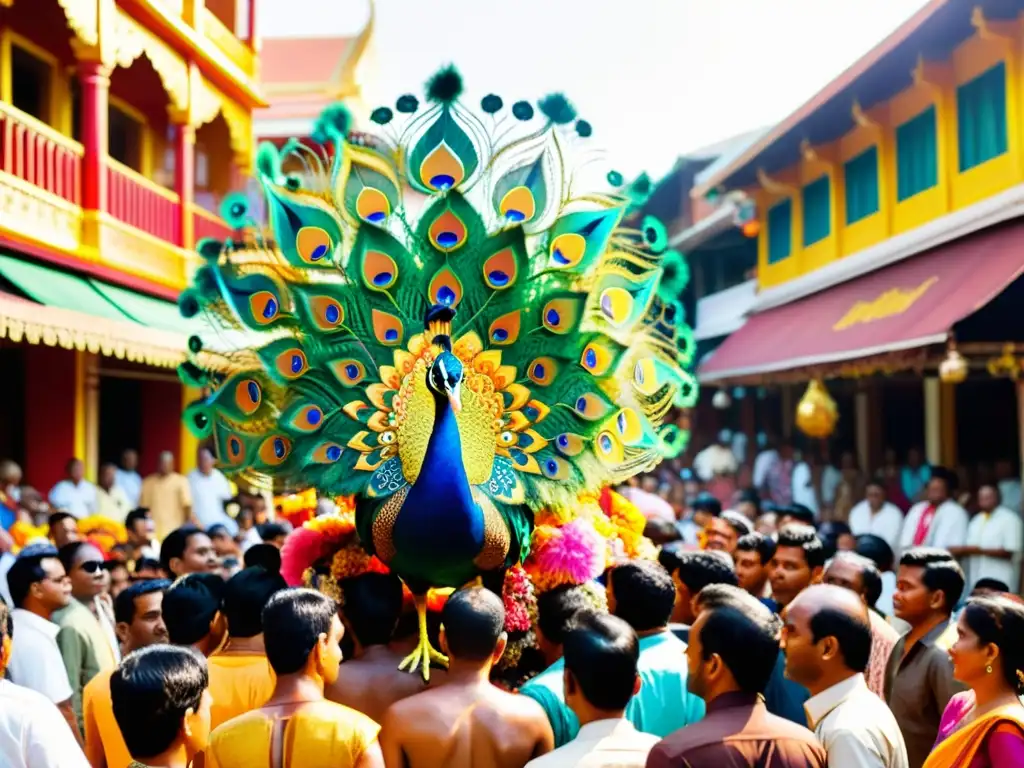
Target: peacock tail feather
x=572, y=356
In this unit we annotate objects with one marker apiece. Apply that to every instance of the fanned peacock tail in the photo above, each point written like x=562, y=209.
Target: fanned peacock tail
x=572, y=358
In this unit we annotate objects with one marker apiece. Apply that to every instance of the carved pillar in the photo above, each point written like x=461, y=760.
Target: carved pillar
x=94, y=77
x=254, y=42
x=184, y=175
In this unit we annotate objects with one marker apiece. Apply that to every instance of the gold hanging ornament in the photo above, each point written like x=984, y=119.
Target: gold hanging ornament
x=953, y=369
x=1006, y=364
x=817, y=414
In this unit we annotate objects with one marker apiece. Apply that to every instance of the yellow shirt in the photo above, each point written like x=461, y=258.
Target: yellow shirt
x=239, y=683
x=320, y=735
x=168, y=499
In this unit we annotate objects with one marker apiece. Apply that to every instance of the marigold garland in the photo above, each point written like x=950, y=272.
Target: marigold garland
x=103, y=532
x=24, y=533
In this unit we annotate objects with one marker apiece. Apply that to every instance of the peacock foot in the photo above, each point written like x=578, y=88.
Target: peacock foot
x=423, y=655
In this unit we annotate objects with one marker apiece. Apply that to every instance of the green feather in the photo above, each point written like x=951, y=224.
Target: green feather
x=557, y=109
x=443, y=130
x=268, y=161
x=445, y=86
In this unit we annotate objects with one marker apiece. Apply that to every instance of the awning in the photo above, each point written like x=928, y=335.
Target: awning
x=906, y=306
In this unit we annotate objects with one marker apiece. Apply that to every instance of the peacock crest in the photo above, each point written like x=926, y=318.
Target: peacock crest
x=570, y=358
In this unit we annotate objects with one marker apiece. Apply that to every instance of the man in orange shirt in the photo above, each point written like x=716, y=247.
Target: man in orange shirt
x=140, y=623
x=241, y=679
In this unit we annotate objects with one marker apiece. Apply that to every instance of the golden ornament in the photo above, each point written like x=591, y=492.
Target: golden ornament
x=953, y=369
x=817, y=414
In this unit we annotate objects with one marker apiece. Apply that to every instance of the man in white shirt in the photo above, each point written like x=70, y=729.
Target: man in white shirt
x=804, y=491
x=827, y=639
x=39, y=586
x=938, y=521
x=600, y=655
x=210, y=490
x=1009, y=485
x=74, y=494
x=716, y=459
x=128, y=478
x=111, y=500
x=877, y=516
x=994, y=542
x=32, y=732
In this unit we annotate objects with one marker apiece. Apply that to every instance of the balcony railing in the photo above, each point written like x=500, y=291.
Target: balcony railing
x=138, y=202
x=38, y=155
x=229, y=44
x=206, y=224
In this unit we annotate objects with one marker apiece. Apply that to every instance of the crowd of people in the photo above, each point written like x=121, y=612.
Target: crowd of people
x=767, y=633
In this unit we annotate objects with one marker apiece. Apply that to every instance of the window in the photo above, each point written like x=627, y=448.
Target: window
x=817, y=210
x=125, y=138
x=31, y=81
x=780, y=231
x=861, y=177
x=981, y=117
x=917, y=157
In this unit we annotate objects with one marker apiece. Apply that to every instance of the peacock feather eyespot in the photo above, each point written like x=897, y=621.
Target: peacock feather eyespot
x=616, y=304
x=542, y=371
x=569, y=444
x=248, y=396
x=235, y=450
x=522, y=110
x=442, y=169
x=313, y=244
x=597, y=358
x=387, y=328
x=559, y=315
x=505, y=330
x=655, y=234
x=491, y=103
x=591, y=407
x=518, y=205
x=264, y=306
x=379, y=271
x=387, y=438
x=615, y=178
x=326, y=453
x=555, y=468
x=567, y=250
x=447, y=232
x=500, y=271
x=407, y=104
x=609, y=449
x=348, y=371
x=291, y=363
x=629, y=426
x=274, y=450
x=445, y=289
x=382, y=115
x=372, y=206
x=507, y=438
x=235, y=210
x=195, y=345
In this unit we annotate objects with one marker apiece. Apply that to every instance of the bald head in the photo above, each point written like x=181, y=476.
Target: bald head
x=828, y=636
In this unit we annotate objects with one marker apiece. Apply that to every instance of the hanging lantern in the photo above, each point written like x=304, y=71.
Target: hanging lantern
x=953, y=369
x=721, y=400
x=817, y=414
x=1006, y=364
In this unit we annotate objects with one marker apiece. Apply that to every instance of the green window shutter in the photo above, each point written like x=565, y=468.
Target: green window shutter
x=780, y=231
x=817, y=210
x=917, y=155
x=981, y=117
x=861, y=177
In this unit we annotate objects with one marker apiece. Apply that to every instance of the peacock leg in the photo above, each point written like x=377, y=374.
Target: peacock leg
x=423, y=653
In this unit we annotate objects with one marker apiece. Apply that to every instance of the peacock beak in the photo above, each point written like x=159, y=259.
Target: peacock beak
x=454, y=397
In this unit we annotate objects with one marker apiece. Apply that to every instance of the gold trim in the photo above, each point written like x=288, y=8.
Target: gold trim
x=83, y=19
x=208, y=102
x=132, y=40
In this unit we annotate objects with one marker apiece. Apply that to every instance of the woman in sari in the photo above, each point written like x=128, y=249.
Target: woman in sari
x=983, y=727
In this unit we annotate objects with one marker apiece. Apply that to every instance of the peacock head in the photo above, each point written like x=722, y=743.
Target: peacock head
x=444, y=377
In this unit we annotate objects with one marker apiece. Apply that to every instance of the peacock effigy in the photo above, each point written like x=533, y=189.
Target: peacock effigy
x=453, y=334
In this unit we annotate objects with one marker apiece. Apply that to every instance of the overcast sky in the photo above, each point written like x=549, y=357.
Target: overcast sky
x=656, y=78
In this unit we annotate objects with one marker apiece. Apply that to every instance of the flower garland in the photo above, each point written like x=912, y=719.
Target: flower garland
x=24, y=533
x=103, y=533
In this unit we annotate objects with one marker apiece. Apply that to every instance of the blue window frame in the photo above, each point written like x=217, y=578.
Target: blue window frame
x=860, y=175
x=981, y=117
x=817, y=210
x=780, y=231
x=917, y=156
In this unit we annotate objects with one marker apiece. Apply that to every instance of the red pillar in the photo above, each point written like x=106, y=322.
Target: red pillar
x=253, y=42
x=161, y=422
x=95, y=80
x=49, y=414
x=184, y=179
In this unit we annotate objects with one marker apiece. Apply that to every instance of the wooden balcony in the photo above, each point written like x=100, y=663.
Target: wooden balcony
x=139, y=233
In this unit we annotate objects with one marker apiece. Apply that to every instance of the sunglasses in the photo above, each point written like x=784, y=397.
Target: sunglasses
x=92, y=566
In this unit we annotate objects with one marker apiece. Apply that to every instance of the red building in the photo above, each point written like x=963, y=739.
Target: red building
x=122, y=124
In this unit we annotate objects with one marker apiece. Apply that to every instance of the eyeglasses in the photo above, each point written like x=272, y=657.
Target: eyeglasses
x=92, y=566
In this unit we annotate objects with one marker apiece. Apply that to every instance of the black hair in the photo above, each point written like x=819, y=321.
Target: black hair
x=705, y=502
x=947, y=476
x=829, y=533
x=803, y=537
x=601, y=653
x=144, y=563
x=265, y=556
x=112, y=565
x=870, y=577
x=6, y=621
x=26, y=571
x=373, y=605
x=853, y=633
x=473, y=621
x=151, y=691
x=744, y=634
x=941, y=571
x=999, y=619
x=246, y=594
x=697, y=569
x=175, y=544
x=994, y=585
x=644, y=594
x=798, y=512
x=70, y=463
x=558, y=608
x=877, y=482
x=69, y=552
x=139, y=513
x=876, y=549
x=124, y=603
x=737, y=522
x=190, y=606
x=757, y=542
x=751, y=496
x=268, y=531
x=59, y=516
x=293, y=621
x=218, y=529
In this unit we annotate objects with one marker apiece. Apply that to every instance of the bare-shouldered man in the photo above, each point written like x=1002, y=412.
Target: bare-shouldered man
x=371, y=682
x=467, y=721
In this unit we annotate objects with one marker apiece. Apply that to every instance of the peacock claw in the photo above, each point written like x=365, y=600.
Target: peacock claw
x=415, y=659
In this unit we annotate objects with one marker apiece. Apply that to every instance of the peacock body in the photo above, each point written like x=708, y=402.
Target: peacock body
x=502, y=353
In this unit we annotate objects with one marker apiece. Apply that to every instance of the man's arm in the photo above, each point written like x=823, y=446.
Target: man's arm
x=372, y=757
x=390, y=739
x=72, y=650
x=659, y=758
